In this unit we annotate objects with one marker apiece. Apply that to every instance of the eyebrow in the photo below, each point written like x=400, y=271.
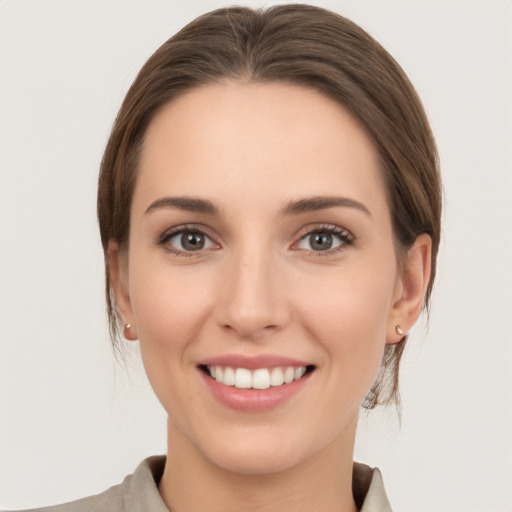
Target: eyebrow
x=309, y=204
x=312, y=204
x=189, y=204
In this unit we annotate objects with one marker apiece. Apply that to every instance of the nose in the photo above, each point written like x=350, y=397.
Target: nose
x=253, y=301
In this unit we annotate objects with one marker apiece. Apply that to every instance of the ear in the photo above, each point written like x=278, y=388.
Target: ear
x=118, y=275
x=410, y=289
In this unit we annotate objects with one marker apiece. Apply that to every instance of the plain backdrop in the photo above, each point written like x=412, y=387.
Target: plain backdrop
x=74, y=422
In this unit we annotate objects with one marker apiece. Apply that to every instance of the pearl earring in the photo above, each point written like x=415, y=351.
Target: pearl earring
x=127, y=328
x=399, y=330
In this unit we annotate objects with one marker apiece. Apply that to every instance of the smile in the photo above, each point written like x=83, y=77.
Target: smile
x=255, y=383
x=260, y=378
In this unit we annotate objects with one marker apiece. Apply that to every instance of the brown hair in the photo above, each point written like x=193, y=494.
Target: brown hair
x=296, y=44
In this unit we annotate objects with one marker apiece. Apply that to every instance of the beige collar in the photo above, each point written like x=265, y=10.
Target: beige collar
x=140, y=490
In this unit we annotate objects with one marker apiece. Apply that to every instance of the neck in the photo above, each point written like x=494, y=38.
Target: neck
x=192, y=483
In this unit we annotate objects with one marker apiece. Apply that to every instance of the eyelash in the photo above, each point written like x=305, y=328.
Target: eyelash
x=342, y=234
x=164, y=238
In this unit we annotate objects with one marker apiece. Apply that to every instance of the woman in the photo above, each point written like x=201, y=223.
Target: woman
x=269, y=205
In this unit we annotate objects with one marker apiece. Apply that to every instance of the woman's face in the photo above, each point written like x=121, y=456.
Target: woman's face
x=260, y=241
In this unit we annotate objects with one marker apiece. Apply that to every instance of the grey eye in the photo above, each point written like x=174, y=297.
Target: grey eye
x=325, y=239
x=190, y=241
x=320, y=241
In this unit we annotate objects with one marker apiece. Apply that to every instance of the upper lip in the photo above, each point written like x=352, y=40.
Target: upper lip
x=253, y=362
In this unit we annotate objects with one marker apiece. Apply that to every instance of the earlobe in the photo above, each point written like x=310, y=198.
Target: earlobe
x=412, y=286
x=118, y=276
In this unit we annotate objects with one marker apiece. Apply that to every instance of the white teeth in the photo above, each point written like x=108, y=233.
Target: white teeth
x=289, y=374
x=299, y=372
x=276, y=377
x=229, y=376
x=243, y=378
x=262, y=378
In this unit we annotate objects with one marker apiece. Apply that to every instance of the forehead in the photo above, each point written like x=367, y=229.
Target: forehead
x=242, y=138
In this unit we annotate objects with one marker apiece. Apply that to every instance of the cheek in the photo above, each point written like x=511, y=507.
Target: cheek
x=169, y=311
x=347, y=314
x=168, y=302
x=169, y=307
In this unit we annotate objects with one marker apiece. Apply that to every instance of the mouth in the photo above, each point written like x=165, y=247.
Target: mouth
x=259, y=378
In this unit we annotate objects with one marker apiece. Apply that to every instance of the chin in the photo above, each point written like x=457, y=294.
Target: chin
x=263, y=451
x=255, y=462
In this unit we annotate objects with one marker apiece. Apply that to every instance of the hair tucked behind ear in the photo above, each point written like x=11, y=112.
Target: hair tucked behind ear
x=295, y=44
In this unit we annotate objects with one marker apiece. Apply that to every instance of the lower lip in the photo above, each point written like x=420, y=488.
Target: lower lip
x=254, y=400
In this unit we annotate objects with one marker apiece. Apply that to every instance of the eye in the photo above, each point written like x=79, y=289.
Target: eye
x=186, y=240
x=325, y=239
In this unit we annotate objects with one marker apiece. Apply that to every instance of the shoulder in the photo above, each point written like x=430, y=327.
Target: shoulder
x=137, y=492
x=109, y=500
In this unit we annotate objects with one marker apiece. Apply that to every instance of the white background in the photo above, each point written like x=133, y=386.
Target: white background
x=73, y=422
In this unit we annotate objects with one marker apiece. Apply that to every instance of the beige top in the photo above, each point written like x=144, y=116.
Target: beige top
x=139, y=492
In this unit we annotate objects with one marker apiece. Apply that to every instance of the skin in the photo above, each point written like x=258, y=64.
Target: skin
x=259, y=287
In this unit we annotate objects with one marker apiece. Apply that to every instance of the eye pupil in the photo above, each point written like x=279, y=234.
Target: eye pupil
x=320, y=241
x=192, y=241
